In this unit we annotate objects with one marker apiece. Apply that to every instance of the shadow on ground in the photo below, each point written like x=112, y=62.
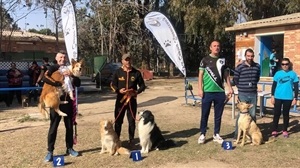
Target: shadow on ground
x=158, y=100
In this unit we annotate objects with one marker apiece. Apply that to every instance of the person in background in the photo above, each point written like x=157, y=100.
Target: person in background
x=246, y=77
x=127, y=82
x=284, y=94
x=273, y=63
x=44, y=68
x=67, y=108
x=15, y=80
x=212, y=72
x=33, y=72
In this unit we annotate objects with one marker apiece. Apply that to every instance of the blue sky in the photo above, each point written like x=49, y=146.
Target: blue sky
x=35, y=19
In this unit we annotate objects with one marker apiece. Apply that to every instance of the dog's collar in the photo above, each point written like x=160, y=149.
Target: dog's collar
x=243, y=112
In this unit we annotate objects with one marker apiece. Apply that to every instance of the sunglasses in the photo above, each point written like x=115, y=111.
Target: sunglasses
x=285, y=64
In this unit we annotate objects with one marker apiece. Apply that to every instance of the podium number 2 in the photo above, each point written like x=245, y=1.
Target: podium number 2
x=58, y=161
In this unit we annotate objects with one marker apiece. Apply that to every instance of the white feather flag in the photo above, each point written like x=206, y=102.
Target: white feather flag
x=165, y=34
x=70, y=36
x=69, y=29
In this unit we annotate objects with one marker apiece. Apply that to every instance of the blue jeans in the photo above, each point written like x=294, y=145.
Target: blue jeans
x=208, y=98
x=250, y=98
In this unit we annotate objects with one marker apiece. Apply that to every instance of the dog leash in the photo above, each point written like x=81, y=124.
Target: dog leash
x=125, y=100
x=75, y=112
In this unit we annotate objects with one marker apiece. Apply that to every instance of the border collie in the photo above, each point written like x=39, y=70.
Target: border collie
x=150, y=135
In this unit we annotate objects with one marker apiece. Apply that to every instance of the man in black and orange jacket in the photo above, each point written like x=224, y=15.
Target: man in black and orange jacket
x=127, y=82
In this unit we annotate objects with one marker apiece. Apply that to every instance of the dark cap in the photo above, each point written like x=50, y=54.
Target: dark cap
x=124, y=56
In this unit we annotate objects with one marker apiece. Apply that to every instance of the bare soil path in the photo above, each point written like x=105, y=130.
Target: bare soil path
x=23, y=144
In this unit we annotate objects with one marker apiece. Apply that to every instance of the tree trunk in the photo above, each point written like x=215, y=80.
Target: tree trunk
x=171, y=69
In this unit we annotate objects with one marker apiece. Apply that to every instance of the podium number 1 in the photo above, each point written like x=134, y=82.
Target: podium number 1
x=136, y=156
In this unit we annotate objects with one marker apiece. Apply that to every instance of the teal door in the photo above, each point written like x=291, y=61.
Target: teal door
x=265, y=51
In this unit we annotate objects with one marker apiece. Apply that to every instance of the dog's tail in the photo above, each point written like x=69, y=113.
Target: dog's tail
x=273, y=139
x=166, y=144
x=123, y=151
x=42, y=109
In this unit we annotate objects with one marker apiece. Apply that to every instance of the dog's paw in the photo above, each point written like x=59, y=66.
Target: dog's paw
x=242, y=144
x=62, y=114
x=144, y=151
x=65, y=87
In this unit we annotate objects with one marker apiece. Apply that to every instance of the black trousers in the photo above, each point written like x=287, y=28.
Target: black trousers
x=18, y=94
x=130, y=110
x=54, y=122
x=285, y=105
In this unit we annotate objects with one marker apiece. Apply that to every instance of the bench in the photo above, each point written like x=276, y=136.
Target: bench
x=293, y=109
x=189, y=90
x=4, y=82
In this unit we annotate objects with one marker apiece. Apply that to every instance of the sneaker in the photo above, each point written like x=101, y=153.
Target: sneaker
x=201, y=139
x=217, y=138
x=49, y=157
x=72, y=152
x=274, y=133
x=285, y=134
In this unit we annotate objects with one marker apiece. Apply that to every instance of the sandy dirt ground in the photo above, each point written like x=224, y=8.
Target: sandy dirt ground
x=23, y=144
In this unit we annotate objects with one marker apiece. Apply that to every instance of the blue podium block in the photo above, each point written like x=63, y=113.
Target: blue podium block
x=227, y=145
x=136, y=155
x=58, y=161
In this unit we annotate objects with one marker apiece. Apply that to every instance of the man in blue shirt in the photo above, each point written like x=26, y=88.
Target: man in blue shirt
x=246, y=77
x=273, y=63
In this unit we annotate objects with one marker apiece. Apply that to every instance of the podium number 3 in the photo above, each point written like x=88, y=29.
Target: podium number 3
x=227, y=145
x=58, y=161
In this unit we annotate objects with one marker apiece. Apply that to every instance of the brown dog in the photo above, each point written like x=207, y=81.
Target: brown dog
x=247, y=125
x=50, y=96
x=109, y=140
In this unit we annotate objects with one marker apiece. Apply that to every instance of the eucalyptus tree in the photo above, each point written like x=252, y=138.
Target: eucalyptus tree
x=115, y=27
x=203, y=21
x=6, y=19
x=259, y=9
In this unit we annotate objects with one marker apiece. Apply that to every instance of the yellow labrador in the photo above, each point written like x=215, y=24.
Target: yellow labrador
x=247, y=126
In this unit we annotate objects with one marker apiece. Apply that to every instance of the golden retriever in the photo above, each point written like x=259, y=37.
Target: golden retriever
x=247, y=126
x=50, y=96
x=110, y=142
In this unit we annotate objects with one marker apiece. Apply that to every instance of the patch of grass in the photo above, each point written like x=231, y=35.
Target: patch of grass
x=176, y=121
x=27, y=118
